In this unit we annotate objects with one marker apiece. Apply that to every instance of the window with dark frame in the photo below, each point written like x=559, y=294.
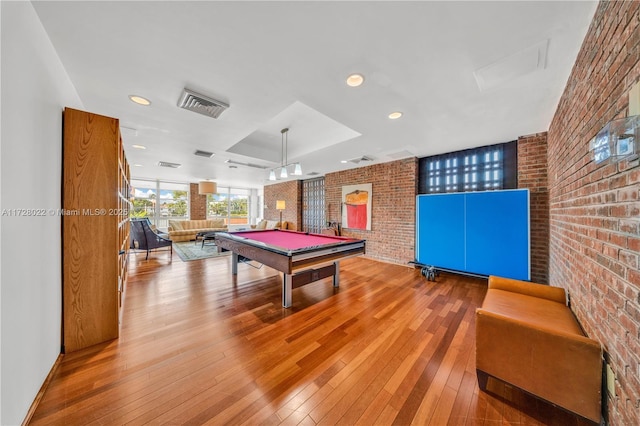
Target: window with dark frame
x=478, y=169
x=313, y=206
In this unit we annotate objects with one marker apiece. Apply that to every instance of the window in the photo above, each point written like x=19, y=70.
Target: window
x=313, y=213
x=159, y=201
x=478, y=169
x=230, y=204
x=143, y=198
x=174, y=201
x=218, y=205
x=238, y=207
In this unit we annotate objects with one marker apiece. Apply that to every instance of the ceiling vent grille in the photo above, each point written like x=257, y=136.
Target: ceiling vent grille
x=201, y=104
x=255, y=166
x=167, y=164
x=515, y=66
x=201, y=153
x=359, y=159
x=400, y=155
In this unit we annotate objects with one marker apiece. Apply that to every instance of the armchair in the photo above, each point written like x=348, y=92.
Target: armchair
x=143, y=237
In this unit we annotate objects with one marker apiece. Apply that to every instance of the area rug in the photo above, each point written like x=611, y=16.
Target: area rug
x=190, y=250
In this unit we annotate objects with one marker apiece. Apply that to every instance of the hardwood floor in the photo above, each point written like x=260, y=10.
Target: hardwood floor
x=387, y=347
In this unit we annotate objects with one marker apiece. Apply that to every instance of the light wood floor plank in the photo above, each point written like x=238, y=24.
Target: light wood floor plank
x=195, y=347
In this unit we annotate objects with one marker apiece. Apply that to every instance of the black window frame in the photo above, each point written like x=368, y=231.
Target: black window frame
x=485, y=168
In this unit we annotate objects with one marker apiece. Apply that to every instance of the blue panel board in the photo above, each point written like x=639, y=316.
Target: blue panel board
x=498, y=233
x=480, y=233
x=440, y=230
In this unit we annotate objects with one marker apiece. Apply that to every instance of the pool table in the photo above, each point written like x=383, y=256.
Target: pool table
x=302, y=257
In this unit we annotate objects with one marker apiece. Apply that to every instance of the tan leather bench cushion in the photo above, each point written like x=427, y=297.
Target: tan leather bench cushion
x=541, y=313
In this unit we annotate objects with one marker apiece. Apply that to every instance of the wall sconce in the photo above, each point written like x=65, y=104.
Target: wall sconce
x=207, y=187
x=618, y=140
x=280, y=205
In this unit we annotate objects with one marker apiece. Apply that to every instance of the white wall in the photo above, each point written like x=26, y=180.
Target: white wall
x=0, y=232
x=35, y=88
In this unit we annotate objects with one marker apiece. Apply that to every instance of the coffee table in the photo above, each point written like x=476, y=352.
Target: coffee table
x=205, y=236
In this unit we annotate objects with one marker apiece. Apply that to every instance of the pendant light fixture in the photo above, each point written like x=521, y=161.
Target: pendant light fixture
x=207, y=187
x=283, y=172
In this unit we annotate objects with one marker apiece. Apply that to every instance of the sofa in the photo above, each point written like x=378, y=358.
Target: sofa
x=527, y=336
x=274, y=224
x=186, y=230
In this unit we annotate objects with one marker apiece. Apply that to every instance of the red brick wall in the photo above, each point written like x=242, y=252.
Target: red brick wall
x=594, y=209
x=197, y=203
x=532, y=174
x=394, y=187
x=291, y=193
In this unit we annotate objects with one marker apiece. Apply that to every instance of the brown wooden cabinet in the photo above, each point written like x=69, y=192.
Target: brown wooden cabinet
x=95, y=228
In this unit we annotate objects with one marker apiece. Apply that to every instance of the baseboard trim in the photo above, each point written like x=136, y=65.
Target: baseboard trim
x=43, y=388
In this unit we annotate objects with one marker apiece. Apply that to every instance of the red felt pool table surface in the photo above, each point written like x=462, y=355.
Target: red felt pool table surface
x=289, y=240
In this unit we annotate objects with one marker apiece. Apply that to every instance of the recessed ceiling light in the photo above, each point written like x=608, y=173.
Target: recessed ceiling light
x=395, y=115
x=343, y=161
x=138, y=146
x=138, y=165
x=140, y=100
x=355, y=80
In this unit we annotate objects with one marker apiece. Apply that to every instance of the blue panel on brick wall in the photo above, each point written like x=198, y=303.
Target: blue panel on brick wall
x=480, y=233
x=440, y=230
x=498, y=233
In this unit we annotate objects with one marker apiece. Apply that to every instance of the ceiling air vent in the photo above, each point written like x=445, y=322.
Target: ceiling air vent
x=167, y=164
x=255, y=166
x=400, y=155
x=201, y=153
x=201, y=104
x=359, y=159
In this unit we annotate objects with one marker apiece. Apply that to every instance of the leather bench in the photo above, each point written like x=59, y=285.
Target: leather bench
x=527, y=336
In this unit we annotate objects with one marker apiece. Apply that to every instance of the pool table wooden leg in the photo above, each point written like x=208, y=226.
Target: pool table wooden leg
x=287, y=281
x=234, y=263
x=336, y=276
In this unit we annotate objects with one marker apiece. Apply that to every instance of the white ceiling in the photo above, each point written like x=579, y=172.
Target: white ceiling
x=284, y=64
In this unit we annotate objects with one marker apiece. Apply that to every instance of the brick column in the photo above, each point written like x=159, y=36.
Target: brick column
x=197, y=203
x=532, y=174
x=291, y=193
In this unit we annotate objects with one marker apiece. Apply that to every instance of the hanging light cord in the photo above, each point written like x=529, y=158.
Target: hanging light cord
x=282, y=148
x=285, y=143
x=284, y=156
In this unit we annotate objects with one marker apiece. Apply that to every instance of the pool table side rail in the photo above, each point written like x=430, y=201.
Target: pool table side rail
x=290, y=252
x=328, y=256
x=270, y=258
